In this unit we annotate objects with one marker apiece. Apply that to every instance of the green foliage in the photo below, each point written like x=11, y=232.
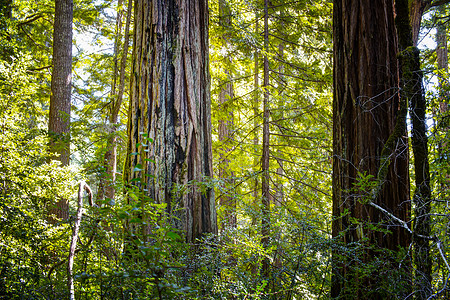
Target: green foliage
x=128, y=247
x=29, y=186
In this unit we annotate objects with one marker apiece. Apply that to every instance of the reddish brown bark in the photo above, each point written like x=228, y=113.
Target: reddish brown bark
x=170, y=102
x=265, y=159
x=366, y=107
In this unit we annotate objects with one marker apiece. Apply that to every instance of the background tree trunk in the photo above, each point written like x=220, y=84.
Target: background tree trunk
x=442, y=59
x=170, y=103
x=255, y=104
x=61, y=85
x=366, y=107
x=110, y=159
x=227, y=202
x=412, y=89
x=265, y=159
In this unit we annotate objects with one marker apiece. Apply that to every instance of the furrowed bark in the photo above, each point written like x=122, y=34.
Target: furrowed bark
x=61, y=85
x=170, y=103
x=413, y=91
x=366, y=117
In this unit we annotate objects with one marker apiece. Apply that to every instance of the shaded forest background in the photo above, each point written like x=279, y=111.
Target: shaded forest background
x=84, y=211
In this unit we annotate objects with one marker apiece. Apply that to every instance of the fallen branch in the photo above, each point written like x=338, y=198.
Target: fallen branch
x=82, y=187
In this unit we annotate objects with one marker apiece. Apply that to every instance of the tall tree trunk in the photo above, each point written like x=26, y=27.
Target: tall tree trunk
x=256, y=124
x=369, y=124
x=442, y=114
x=442, y=60
x=265, y=159
x=59, y=117
x=227, y=202
x=110, y=160
x=412, y=89
x=170, y=105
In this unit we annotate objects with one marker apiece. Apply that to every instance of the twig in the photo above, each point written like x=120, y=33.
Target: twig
x=401, y=222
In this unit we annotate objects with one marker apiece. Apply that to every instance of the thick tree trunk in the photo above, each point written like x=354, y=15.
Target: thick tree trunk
x=227, y=202
x=369, y=125
x=59, y=117
x=412, y=89
x=170, y=104
x=265, y=159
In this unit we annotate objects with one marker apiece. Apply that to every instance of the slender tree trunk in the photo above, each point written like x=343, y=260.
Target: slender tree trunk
x=110, y=160
x=265, y=191
x=279, y=192
x=59, y=117
x=412, y=89
x=442, y=60
x=256, y=124
x=169, y=116
x=369, y=124
x=442, y=125
x=227, y=202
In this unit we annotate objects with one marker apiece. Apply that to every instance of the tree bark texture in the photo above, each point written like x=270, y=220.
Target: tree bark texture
x=366, y=108
x=265, y=159
x=61, y=85
x=411, y=81
x=170, y=102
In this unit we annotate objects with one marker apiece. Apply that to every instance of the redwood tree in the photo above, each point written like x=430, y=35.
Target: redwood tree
x=371, y=205
x=61, y=85
x=169, y=125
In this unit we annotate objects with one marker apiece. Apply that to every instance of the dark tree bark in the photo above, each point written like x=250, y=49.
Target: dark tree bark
x=265, y=159
x=227, y=202
x=412, y=89
x=59, y=117
x=369, y=125
x=170, y=103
